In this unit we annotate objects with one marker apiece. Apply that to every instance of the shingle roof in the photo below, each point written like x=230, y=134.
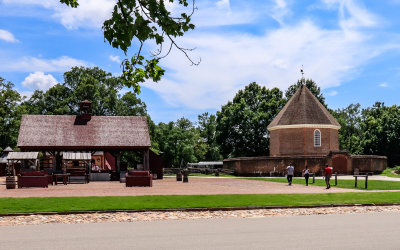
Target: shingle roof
x=66, y=132
x=303, y=109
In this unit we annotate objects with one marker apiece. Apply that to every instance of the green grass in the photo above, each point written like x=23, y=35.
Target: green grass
x=57, y=204
x=372, y=184
x=388, y=172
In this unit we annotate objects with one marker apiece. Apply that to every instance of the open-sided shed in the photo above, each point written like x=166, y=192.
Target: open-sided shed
x=85, y=133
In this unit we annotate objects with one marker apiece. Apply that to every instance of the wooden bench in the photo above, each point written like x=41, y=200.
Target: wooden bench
x=360, y=175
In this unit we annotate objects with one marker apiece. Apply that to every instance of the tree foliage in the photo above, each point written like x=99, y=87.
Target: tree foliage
x=179, y=142
x=350, y=133
x=134, y=22
x=207, y=125
x=10, y=114
x=381, y=131
x=311, y=85
x=242, y=123
x=82, y=83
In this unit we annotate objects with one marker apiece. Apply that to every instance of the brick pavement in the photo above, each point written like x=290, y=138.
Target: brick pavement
x=169, y=186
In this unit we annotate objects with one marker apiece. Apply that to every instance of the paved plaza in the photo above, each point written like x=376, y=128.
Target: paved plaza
x=169, y=186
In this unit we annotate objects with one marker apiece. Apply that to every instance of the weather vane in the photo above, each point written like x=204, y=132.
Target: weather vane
x=302, y=75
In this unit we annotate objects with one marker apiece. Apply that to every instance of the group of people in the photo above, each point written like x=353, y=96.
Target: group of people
x=327, y=173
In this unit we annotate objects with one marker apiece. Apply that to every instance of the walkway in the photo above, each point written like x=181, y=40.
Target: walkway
x=169, y=186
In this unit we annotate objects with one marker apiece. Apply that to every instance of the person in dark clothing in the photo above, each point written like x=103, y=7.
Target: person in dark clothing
x=306, y=175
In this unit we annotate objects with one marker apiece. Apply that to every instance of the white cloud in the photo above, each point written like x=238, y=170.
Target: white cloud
x=220, y=13
x=7, y=36
x=332, y=93
x=353, y=14
x=280, y=10
x=90, y=13
x=115, y=59
x=384, y=84
x=39, y=80
x=273, y=59
x=29, y=64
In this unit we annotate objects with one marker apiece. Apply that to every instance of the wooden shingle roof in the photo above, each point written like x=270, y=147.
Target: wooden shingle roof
x=303, y=110
x=66, y=132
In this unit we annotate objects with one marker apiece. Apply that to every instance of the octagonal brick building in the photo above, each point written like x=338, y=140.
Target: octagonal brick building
x=303, y=127
x=306, y=134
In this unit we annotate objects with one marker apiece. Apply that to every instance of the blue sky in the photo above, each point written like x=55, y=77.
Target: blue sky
x=350, y=48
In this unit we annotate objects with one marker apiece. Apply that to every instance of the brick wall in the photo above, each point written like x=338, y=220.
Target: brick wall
x=300, y=141
x=262, y=166
x=369, y=163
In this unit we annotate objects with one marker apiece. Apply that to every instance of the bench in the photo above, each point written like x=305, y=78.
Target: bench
x=138, y=179
x=359, y=175
x=78, y=174
x=34, y=179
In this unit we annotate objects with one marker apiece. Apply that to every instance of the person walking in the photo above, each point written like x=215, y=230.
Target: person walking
x=290, y=171
x=328, y=173
x=306, y=175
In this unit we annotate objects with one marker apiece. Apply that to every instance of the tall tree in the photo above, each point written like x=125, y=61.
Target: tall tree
x=179, y=142
x=10, y=114
x=134, y=22
x=381, y=126
x=93, y=84
x=350, y=133
x=311, y=85
x=207, y=125
x=242, y=123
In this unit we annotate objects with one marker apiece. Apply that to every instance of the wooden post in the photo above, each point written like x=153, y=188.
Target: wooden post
x=355, y=181
x=313, y=178
x=336, y=179
x=146, y=165
x=366, y=181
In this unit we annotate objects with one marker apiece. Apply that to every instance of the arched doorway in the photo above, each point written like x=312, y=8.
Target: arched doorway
x=339, y=164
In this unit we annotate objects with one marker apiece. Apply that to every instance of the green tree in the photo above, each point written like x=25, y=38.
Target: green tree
x=207, y=125
x=179, y=143
x=93, y=84
x=134, y=22
x=242, y=123
x=381, y=126
x=10, y=114
x=311, y=85
x=350, y=133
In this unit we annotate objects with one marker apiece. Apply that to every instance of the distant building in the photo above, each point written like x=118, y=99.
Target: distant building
x=305, y=133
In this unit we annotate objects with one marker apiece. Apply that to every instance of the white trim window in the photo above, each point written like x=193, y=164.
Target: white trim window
x=317, y=138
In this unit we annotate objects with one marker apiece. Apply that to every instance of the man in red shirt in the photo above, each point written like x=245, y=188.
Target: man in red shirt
x=328, y=173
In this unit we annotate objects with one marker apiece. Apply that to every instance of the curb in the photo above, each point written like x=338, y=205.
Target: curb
x=200, y=209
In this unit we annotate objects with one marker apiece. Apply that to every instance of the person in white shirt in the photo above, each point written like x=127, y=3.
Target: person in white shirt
x=290, y=171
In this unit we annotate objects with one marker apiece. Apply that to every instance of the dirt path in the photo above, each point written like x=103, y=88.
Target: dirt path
x=169, y=186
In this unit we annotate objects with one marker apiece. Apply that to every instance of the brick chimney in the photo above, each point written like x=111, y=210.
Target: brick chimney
x=86, y=110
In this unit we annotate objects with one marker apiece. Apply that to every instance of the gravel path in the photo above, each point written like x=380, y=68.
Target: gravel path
x=151, y=216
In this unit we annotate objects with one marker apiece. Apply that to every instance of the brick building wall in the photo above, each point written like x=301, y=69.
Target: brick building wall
x=300, y=141
x=342, y=163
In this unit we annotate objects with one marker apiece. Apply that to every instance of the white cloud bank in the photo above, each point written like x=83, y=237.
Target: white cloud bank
x=7, y=36
x=39, y=80
x=89, y=14
x=34, y=64
x=232, y=60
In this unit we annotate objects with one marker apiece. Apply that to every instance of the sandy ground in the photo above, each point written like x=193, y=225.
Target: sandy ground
x=169, y=186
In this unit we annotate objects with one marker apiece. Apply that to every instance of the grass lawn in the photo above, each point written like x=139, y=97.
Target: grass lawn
x=389, y=172
x=57, y=204
x=372, y=184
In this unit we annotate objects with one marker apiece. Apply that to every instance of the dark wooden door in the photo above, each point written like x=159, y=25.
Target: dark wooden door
x=339, y=164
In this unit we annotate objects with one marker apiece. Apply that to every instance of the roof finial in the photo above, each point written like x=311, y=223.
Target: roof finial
x=303, y=81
